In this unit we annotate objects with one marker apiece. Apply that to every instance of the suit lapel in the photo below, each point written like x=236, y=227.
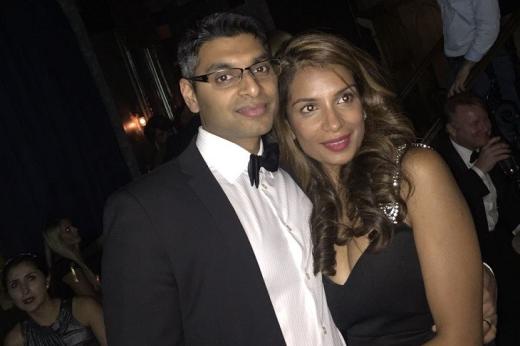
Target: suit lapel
x=460, y=166
x=211, y=195
x=457, y=160
x=224, y=218
x=240, y=270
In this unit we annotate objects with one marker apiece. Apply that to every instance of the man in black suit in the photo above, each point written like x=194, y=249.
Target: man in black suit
x=473, y=156
x=200, y=252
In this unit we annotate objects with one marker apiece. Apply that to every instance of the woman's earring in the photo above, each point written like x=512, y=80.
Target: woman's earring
x=364, y=115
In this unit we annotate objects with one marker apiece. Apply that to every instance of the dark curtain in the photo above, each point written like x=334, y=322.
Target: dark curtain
x=58, y=151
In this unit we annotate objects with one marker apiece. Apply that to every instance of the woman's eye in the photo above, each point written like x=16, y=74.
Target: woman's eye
x=261, y=69
x=31, y=277
x=347, y=98
x=308, y=108
x=13, y=285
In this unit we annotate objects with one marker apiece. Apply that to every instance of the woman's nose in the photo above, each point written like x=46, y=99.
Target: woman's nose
x=25, y=288
x=333, y=120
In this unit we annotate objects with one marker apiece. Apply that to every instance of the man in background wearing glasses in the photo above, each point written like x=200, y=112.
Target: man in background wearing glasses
x=214, y=248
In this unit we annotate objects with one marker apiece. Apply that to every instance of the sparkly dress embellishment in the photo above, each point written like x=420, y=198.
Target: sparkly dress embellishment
x=391, y=209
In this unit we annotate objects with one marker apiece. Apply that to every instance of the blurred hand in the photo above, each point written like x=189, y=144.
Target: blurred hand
x=489, y=306
x=459, y=84
x=495, y=150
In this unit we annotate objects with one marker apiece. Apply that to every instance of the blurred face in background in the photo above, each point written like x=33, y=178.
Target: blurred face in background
x=69, y=233
x=161, y=136
x=27, y=286
x=470, y=126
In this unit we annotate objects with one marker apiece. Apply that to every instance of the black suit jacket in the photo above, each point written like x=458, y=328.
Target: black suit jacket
x=474, y=189
x=178, y=267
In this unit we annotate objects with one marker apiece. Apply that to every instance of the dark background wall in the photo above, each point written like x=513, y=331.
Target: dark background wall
x=60, y=151
x=74, y=82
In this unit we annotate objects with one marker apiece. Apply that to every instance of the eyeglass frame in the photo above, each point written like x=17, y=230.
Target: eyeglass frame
x=204, y=78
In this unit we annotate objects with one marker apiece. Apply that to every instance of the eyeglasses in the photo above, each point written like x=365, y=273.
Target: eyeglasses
x=230, y=77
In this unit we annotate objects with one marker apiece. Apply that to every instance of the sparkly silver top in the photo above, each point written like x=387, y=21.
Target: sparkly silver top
x=391, y=209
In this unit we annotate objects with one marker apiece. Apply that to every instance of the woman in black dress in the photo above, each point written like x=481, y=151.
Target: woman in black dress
x=392, y=234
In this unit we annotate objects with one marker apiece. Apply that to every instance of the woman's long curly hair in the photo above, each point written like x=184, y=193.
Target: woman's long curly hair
x=367, y=180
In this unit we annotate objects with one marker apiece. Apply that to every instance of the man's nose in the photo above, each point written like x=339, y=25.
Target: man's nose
x=248, y=84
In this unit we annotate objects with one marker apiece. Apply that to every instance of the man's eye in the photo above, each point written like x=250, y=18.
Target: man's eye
x=224, y=77
x=13, y=285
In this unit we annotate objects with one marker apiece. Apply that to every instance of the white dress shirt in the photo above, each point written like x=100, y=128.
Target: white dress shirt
x=275, y=218
x=490, y=200
x=470, y=27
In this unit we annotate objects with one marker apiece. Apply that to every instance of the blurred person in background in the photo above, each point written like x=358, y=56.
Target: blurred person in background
x=70, y=275
x=50, y=321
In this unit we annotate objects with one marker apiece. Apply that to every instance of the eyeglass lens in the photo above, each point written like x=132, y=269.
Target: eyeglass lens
x=232, y=76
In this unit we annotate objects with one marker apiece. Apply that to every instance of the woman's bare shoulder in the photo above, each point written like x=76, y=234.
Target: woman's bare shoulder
x=14, y=337
x=423, y=163
x=84, y=309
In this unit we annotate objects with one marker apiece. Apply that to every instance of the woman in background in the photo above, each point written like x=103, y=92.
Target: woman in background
x=70, y=275
x=392, y=234
x=9, y=314
x=52, y=321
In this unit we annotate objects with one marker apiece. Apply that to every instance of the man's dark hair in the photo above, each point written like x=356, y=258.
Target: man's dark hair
x=462, y=99
x=211, y=27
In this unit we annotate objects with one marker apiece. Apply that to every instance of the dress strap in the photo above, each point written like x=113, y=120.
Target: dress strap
x=64, y=318
x=392, y=209
x=36, y=335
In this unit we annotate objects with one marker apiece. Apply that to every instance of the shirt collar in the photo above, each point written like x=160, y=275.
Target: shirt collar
x=223, y=156
x=464, y=153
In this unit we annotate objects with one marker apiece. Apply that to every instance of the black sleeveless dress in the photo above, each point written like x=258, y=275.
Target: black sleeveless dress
x=383, y=302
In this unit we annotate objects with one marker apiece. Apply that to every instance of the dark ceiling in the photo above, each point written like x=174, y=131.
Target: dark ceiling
x=140, y=19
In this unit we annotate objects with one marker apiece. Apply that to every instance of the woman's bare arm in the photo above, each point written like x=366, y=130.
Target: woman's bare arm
x=14, y=337
x=448, y=249
x=89, y=313
x=80, y=284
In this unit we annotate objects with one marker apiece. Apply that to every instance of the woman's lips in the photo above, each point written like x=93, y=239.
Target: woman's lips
x=337, y=144
x=29, y=300
x=253, y=110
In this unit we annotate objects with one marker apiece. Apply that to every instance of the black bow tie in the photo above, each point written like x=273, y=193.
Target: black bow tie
x=268, y=160
x=474, y=156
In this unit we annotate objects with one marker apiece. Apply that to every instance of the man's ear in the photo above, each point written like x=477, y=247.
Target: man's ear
x=189, y=96
x=451, y=130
